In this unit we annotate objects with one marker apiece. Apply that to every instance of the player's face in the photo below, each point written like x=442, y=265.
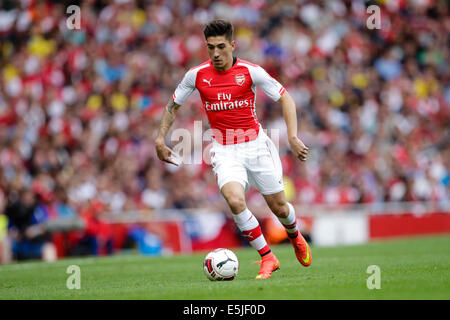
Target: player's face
x=220, y=51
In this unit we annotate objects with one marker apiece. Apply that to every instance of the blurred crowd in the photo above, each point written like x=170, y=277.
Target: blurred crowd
x=79, y=109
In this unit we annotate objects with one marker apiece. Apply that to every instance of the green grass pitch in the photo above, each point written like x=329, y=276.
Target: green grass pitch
x=415, y=268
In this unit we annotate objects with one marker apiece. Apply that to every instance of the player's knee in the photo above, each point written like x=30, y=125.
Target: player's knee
x=280, y=209
x=237, y=203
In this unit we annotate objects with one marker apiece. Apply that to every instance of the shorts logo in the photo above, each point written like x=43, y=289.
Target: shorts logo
x=240, y=79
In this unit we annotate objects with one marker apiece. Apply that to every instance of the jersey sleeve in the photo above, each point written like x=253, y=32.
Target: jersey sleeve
x=269, y=85
x=184, y=88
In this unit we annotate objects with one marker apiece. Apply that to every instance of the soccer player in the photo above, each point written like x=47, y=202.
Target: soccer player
x=241, y=154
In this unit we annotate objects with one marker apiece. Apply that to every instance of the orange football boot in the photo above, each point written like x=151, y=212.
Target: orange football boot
x=269, y=264
x=302, y=250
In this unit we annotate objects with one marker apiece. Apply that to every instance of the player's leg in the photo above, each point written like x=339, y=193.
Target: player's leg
x=265, y=172
x=234, y=194
x=285, y=213
x=232, y=179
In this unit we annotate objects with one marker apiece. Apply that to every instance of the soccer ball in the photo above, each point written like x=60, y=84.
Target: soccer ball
x=221, y=264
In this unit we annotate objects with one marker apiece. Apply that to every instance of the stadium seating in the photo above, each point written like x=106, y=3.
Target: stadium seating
x=79, y=109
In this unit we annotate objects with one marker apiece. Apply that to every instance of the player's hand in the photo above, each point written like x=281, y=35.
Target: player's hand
x=165, y=153
x=298, y=148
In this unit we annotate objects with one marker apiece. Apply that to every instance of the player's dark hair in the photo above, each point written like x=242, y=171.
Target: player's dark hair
x=219, y=27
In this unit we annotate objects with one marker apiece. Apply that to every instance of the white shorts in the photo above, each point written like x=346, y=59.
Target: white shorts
x=255, y=163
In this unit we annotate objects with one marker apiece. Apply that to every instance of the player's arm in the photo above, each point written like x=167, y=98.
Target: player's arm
x=164, y=152
x=290, y=116
x=183, y=90
x=278, y=93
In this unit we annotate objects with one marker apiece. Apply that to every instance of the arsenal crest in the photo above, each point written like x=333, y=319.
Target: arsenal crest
x=240, y=79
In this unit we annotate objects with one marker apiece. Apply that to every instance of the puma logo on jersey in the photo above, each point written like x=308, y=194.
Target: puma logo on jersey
x=208, y=81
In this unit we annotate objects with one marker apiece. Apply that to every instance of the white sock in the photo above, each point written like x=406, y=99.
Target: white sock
x=251, y=230
x=290, y=222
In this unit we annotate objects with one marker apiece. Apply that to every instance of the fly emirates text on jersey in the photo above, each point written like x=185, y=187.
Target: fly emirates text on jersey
x=225, y=102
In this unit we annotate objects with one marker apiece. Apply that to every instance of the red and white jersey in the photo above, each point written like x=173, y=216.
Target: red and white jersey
x=229, y=97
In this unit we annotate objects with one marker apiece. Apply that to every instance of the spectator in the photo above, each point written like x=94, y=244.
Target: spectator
x=29, y=237
x=79, y=108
